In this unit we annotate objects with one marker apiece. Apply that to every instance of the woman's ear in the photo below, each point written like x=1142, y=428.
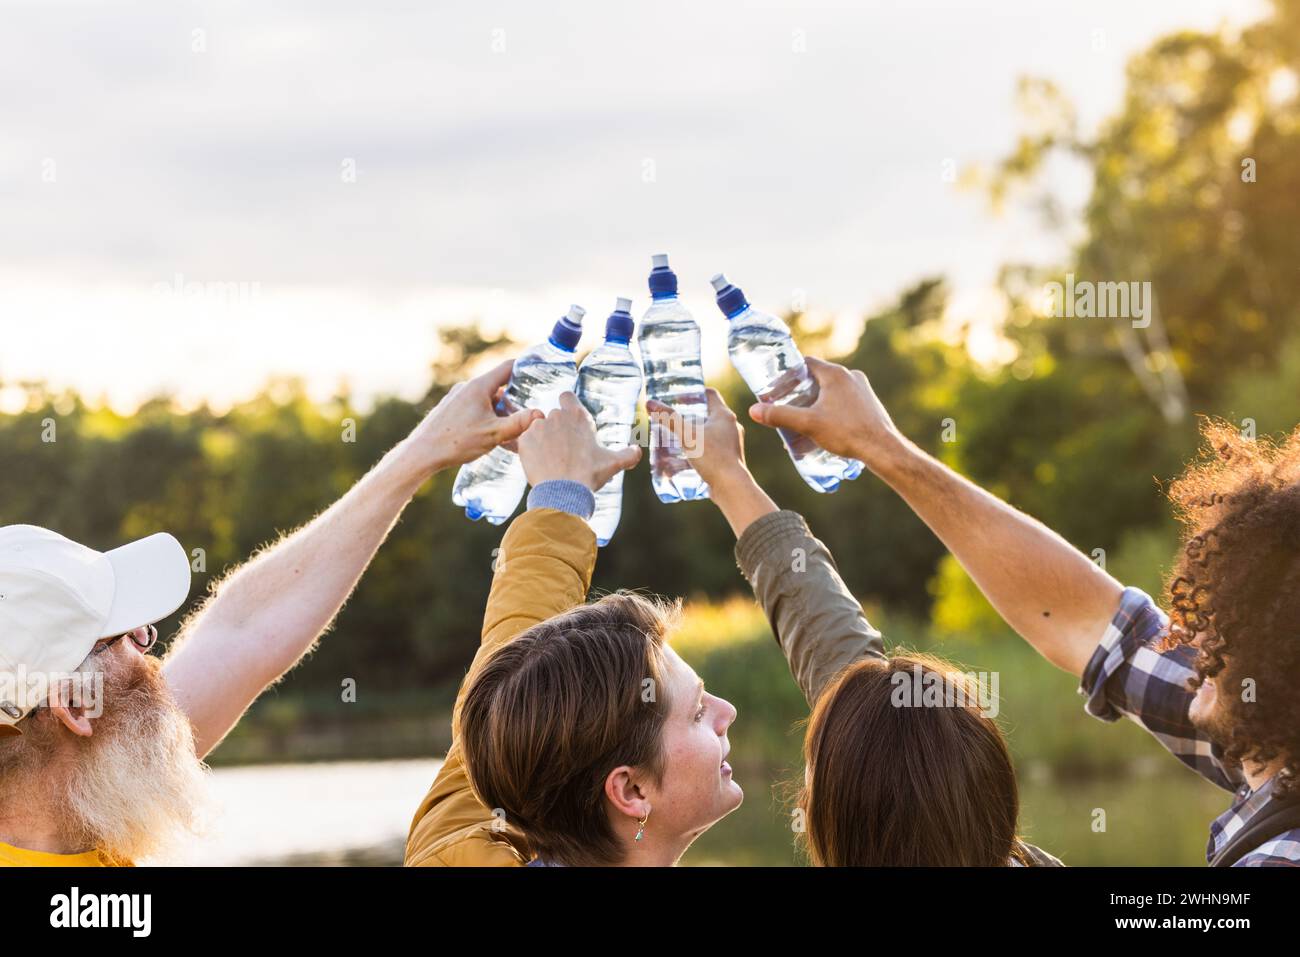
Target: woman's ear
x=627, y=796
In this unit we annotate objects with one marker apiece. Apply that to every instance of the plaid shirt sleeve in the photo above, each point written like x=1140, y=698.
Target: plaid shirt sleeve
x=1281, y=851
x=1128, y=676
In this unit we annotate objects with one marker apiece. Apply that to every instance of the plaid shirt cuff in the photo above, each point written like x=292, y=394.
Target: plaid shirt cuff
x=1136, y=626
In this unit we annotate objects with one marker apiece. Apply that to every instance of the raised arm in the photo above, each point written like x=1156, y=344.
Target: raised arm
x=1048, y=591
x=564, y=464
x=264, y=616
x=815, y=618
x=543, y=569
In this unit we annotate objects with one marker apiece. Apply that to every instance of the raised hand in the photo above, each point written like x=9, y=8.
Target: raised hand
x=717, y=451
x=715, y=448
x=847, y=418
x=563, y=446
x=464, y=425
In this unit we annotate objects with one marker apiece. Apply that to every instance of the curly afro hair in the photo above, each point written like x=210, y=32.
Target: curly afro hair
x=1236, y=588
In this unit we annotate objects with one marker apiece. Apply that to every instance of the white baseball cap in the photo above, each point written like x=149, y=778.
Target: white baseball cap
x=58, y=598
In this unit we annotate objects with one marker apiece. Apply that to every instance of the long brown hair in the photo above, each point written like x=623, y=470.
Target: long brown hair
x=550, y=714
x=893, y=783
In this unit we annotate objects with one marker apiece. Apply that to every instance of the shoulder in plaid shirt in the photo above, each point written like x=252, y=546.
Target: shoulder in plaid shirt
x=1127, y=676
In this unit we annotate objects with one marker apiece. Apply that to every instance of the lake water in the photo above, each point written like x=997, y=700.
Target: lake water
x=346, y=812
x=358, y=812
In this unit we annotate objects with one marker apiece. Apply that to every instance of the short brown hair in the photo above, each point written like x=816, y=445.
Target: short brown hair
x=551, y=713
x=1236, y=587
x=904, y=786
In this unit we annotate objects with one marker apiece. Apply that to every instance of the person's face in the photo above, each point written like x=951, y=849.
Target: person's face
x=1206, y=712
x=698, y=787
x=127, y=647
x=1204, y=704
x=124, y=773
x=78, y=699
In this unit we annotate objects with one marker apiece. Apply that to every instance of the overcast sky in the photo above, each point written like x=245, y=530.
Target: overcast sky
x=348, y=176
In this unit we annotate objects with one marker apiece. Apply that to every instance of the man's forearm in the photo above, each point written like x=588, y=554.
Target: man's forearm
x=268, y=613
x=1048, y=591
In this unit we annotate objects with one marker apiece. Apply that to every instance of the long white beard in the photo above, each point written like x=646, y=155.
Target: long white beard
x=137, y=785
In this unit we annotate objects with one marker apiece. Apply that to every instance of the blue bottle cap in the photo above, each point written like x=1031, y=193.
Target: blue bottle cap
x=618, y=327
x=568, y=331
x=663, y=281
x=730, y=298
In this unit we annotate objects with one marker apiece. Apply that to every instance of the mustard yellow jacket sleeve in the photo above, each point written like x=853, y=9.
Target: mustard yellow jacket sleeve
x=544, y=568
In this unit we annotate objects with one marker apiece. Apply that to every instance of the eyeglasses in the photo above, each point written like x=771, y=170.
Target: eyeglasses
x=151, y=637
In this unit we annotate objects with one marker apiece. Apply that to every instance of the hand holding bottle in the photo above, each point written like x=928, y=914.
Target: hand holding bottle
x=716, y=449
x=845, y=419
x=765, y=355
x=563, y=445
x=464, y=424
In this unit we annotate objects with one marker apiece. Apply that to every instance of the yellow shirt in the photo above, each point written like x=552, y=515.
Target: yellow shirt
x=547, y=558
x=11, y=856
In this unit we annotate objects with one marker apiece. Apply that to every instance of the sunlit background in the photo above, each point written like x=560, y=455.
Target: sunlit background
x=225, y=229
x=197, y=196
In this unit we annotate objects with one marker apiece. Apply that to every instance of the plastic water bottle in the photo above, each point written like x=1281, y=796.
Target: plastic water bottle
x=670, y=355
x=491, y=486
x=764, y=353
x=609, y=385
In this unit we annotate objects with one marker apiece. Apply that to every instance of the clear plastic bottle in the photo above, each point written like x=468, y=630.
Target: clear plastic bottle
x=765, y=355
x=609, y=385
x=670, y=355
x=491, y=486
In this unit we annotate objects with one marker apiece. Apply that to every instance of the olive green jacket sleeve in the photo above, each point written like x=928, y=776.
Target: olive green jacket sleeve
x=817, y=621
x=544, y=568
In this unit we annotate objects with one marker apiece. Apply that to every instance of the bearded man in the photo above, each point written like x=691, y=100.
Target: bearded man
x=101, y=743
